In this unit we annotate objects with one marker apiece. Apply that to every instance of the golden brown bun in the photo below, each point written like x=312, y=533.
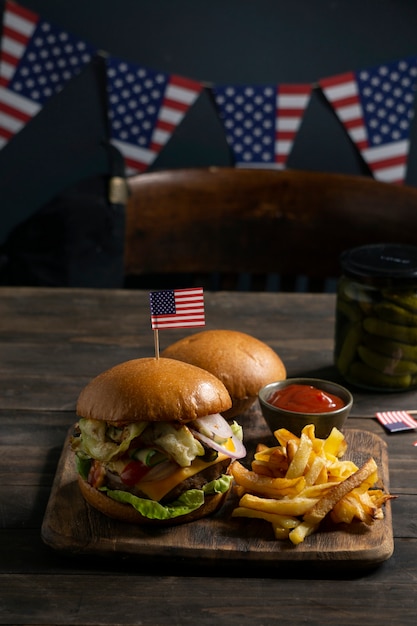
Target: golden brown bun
x=244, y=364
x=151, y=389
x=126, y=512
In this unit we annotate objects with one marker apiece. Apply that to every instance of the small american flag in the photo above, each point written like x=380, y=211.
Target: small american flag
x=177, y=308
x=36, y=61
x=145, y=107
x=396, y=421
x=261, y=122
x=376, y=106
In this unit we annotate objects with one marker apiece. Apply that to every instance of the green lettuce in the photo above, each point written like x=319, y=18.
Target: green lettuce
x=94, y=442
x=83, y=464
x=187, y=502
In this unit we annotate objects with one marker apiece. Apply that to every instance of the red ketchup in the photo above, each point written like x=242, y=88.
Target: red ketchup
x=305, y=399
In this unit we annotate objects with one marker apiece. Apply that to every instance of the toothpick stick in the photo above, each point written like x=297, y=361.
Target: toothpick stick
x=156, y=342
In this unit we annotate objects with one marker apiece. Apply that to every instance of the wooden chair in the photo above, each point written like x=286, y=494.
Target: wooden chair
x=229, y=228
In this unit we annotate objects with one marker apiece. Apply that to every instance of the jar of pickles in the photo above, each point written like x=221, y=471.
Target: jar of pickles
x=376, y=317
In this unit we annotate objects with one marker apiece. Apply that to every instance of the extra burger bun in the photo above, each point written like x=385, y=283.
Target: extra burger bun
x=243, y=363
x=151, y=389
x=126, y=513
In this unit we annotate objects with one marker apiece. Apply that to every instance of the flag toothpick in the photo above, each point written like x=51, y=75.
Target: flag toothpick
x=176, y=308
x=156, y=342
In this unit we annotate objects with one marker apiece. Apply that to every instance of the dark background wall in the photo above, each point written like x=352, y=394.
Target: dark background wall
x=249, y=41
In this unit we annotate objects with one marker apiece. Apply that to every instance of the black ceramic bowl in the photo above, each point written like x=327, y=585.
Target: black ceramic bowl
x=295, y=421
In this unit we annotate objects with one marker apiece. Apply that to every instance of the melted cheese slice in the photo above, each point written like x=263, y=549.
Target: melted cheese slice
x=157, y=489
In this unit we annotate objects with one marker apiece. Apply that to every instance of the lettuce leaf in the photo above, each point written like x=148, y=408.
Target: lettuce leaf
x=188, y=501
x=94, y=443
x=83, y=464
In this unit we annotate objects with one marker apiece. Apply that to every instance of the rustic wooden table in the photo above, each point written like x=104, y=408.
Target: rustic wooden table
x=52, y=341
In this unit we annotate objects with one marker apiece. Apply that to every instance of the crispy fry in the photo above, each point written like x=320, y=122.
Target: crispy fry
x=263, y=468
x=271, y=462
x=335, y=444
x=283, y=521
x=301, y=457
x=292, y=447
x=316, y=470
x=287, y=506
x=295, y=484
x=300, y=532
x=336, y=493
x=283, y=436
x=265, y=485
x=339, y=470
x=280, y=533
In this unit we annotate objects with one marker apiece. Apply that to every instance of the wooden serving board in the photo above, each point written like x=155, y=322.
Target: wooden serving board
x=70, y=525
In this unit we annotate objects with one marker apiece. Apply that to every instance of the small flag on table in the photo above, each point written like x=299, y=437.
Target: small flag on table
x=177, y=308
x=396, y=421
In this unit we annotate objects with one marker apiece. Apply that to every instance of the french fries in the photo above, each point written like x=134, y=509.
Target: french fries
x=298, y=483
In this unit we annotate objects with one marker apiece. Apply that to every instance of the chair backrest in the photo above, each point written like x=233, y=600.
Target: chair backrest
x=230, y=222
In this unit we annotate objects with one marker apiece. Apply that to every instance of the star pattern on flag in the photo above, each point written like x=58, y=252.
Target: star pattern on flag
x=376, y=106
x=145, y=107
x=162, y=302
x=36, y=61
x=261, y=122
x=177, y=308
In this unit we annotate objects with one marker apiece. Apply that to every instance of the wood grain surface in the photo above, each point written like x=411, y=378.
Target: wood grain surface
x=73, y=526
x=52, y=341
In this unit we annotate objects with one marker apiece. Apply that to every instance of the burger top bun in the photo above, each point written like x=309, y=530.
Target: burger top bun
x=151, y=389
x=244, y=364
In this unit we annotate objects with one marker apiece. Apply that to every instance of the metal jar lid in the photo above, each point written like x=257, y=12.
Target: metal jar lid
x=385, y=263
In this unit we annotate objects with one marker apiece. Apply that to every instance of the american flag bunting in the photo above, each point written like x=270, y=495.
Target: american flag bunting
x=177, y=308
x=396, y=421
x=376, y=107
x=36, y=60
x=261, y=122
x=145, y=107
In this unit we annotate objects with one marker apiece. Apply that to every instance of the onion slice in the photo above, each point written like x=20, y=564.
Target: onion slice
x=213, y=426
x=238, y=453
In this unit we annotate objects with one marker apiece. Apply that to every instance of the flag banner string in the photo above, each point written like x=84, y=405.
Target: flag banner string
x=36, y=60
x=376, y=107
x=261, y=122
x=145, y=106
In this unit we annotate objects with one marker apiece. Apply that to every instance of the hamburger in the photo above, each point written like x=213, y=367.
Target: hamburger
x=243, y=363
x=150, y=444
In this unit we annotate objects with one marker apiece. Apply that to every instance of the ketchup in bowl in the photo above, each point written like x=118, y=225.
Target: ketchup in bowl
x=305, y=399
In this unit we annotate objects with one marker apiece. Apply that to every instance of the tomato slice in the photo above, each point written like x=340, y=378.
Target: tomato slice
x=133, y=472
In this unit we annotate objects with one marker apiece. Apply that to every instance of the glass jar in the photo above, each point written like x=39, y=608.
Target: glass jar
x=376, y=317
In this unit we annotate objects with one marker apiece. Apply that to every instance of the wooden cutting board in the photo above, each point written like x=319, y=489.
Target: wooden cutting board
x=70, y=525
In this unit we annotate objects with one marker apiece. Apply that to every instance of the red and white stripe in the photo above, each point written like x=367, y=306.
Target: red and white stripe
x=396, y=417
x=291, y=102
x=18, y=27
x=189, y=305
x=388, y=162
x=180, y=95
x=15, y=111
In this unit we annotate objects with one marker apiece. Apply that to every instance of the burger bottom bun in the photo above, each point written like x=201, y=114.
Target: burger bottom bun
x=126, y=513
